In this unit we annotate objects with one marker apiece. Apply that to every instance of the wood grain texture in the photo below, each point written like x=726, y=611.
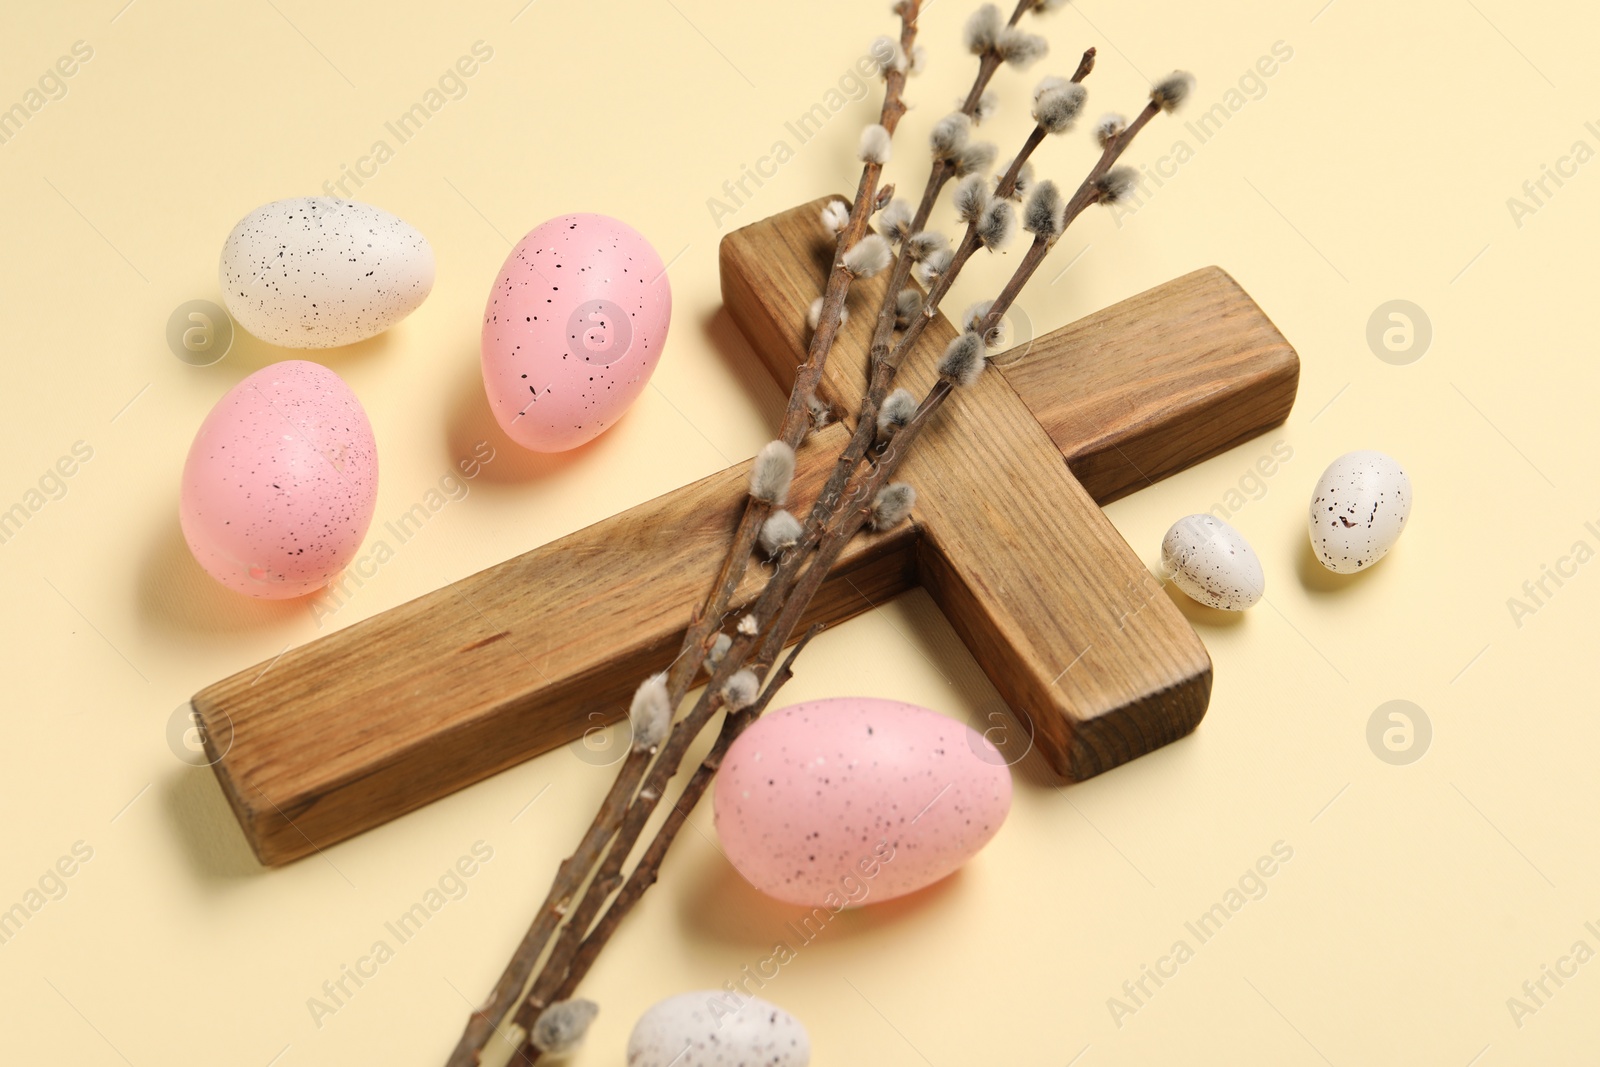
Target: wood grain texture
x=353, y=729
x=1158, y=382
x=356, y=728
x=1057, y=609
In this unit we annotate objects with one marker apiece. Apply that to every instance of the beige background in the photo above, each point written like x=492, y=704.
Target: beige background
x=1374, y=165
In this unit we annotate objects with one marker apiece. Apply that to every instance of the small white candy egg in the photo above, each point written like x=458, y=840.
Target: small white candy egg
x=1212, y=563
x=716, y=1028
x=319, y=272
x=1358, y=510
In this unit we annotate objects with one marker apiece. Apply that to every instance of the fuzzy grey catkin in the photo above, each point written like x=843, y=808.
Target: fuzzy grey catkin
x=868, y=256
x=821, y=413
x=1045, y=212
x=874, y=147
x=772, y=472
x=560, y=1027
x=934, y=266
x=907, y=306
x=896, y=411
x=748, y=626
x=997, y=224
x=925, y=243
x=1170, y=92
x=894, y=221
x=973, y=319
x=1020, y=48
x=892, y=505
x=835, y=215
x=1020, y=185
x=976, y=158
x=974, y=314
x=1056, y=108
x=919, y=60
x=950, y=135
x=719, y=648
x=887, y=54
x=983, y=29
x=814, y=313
x=650, y=715
x=781, y=530
x=988, y=105
x=1109, y=128
x=1048, y=82
x=740, y=691
x=971, y=198
x=1117, y=184
x=963, y=360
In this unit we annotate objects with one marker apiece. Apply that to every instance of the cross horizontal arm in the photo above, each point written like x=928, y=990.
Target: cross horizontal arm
x=356, y=728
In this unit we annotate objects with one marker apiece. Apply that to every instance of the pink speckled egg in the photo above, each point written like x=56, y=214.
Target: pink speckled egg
x=853, y=800
x=573, y=330
x=281, y=482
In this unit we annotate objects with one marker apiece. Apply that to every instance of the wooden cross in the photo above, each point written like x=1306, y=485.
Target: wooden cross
x=365, y=724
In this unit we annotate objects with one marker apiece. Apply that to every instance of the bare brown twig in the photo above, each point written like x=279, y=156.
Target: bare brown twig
x=704, y=622
x=789, y=593
x=882, y=367
x=649, y=866
x=590, y=895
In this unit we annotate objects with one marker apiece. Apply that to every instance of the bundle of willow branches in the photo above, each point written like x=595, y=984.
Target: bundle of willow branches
x=594, y=888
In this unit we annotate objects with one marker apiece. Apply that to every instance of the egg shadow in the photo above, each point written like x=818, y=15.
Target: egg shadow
x=250, y=353
x=471, y=423
x=721, y=906
x=209, y=836
x=1318, y=579
x=1200, y=616
x=176, y=595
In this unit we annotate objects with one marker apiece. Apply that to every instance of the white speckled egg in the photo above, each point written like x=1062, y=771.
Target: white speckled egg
x=716, y=1028
x=281, y=482
x=854, y=800
x=573, y=330
x=318, y=272
x=1212, y=563
x=1358, y=510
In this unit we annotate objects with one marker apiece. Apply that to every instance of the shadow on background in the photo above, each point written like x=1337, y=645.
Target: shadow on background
x=471, y=420
x=249, y=354
x=208, y=835
x=1315, y=577
x=177, y=596
x=1200, y=616
x=721, y=906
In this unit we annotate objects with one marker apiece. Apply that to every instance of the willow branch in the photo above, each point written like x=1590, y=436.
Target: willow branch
x=794, y=588
x=883, y=363
x=706, y=620
x=642, y=781
x=648, y=869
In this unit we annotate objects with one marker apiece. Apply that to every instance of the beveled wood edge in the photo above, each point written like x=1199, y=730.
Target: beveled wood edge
x=1073, y=745
x=1266, y=401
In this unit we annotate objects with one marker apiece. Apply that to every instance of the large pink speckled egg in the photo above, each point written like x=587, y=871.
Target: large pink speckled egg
x=281, y=482
x=573, y=330
x=853, y=800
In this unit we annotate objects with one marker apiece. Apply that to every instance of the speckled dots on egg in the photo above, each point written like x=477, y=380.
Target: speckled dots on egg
x=281, y=482
x=817, y=799
x=573, y=330
x=318, y=272
x=1358, y=510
